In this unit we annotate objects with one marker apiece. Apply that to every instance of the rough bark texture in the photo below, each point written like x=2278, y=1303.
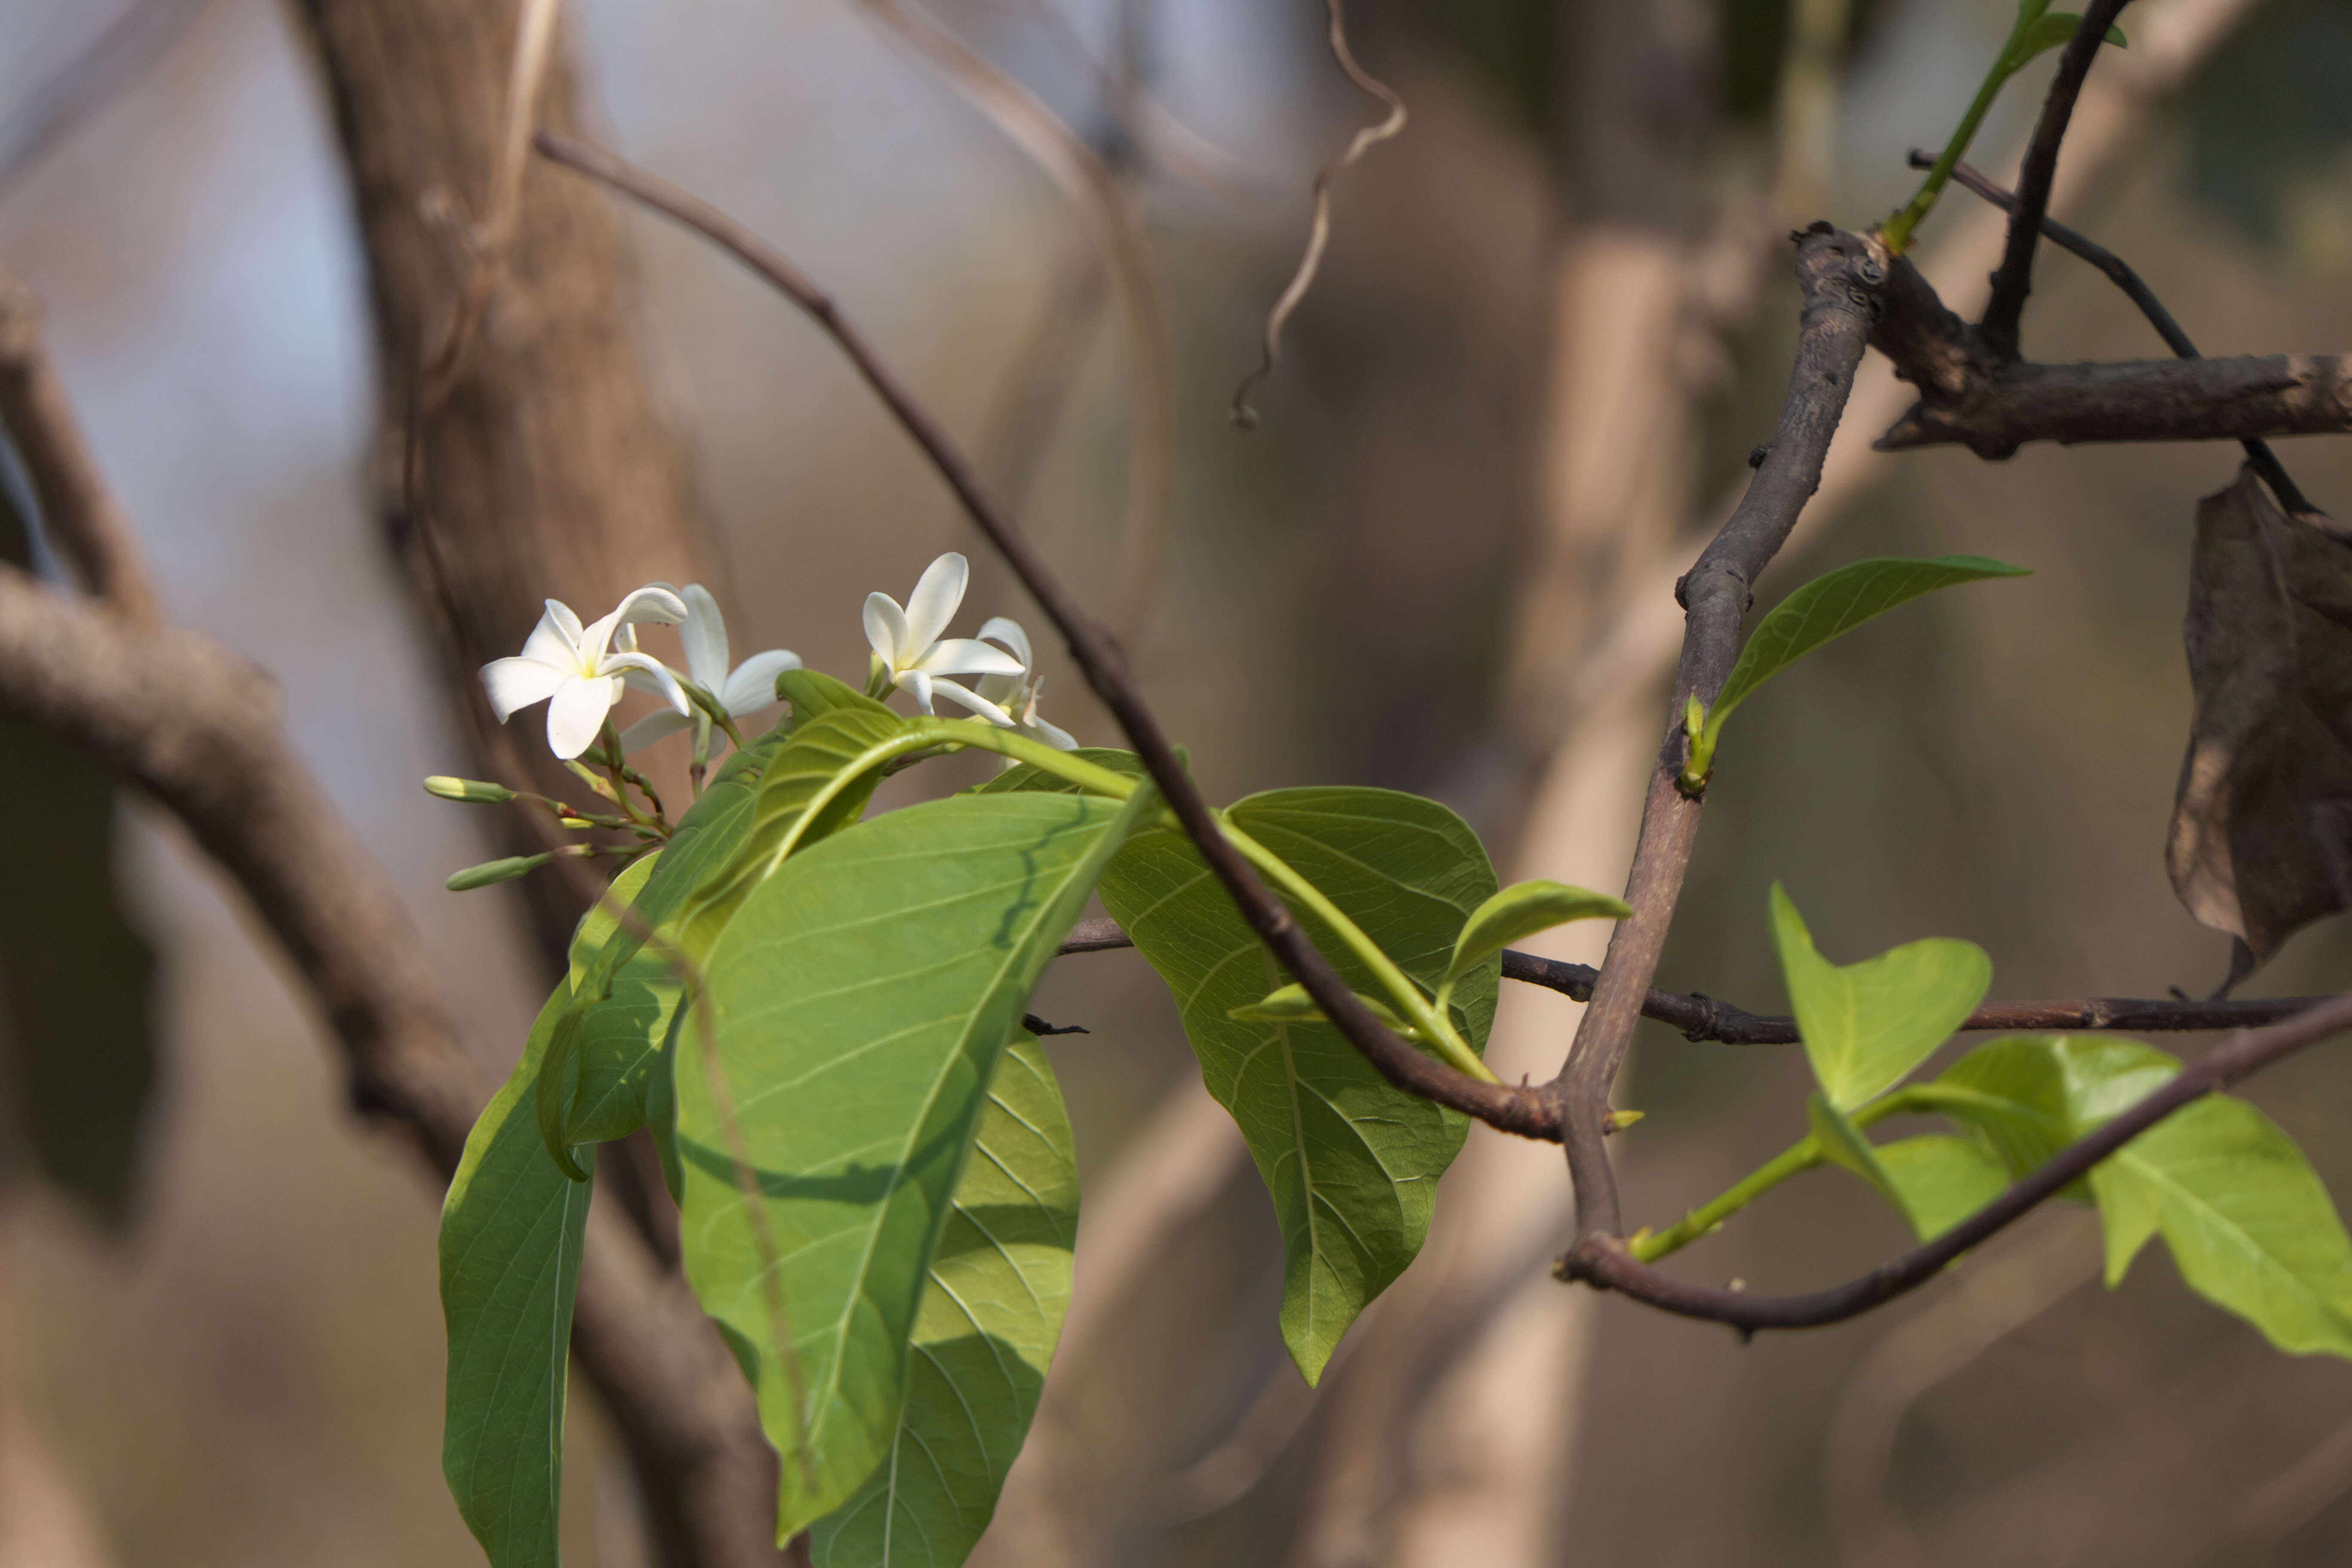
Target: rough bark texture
x=550, y=471
x=2136, y=400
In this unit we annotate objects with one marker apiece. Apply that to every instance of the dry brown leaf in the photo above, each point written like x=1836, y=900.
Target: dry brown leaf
x=2260, y=843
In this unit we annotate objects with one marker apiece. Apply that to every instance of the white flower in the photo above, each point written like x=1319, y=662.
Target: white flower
x=1016, y=696
x=907, y=642
x=579, y=673
x=744, y=689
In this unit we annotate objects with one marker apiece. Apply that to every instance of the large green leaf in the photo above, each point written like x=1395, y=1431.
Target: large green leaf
x=510, y=1230
x=1866, y=1025
x=1831, y=605
x=2248, y=1221
x=999, y=1283
x=862, y=995
x=1351, y=1162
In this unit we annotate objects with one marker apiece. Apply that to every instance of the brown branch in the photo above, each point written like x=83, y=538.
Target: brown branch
x=2121, y=274
x=1841, y=276
x=2013, y=279
x=78, y=513
x=1528, y=1111
x=1602, y=1261
x=1704, y=1018
x=2136, y=400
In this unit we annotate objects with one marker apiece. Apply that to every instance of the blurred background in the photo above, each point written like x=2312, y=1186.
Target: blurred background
x=1554, y=317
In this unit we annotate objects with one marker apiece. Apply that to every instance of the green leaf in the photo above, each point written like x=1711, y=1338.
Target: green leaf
x=1291, y=1005
x=1842, y=1144
x=1830, y=607
x=1941, y=1181
x=1350, y=1161
x=862, y=996
x=2247, y=1220
x=1522, y=910
x=2055, y=31
x=999, y=1284
x=510, y=1230
x=750, y=818
x=1866, y=1025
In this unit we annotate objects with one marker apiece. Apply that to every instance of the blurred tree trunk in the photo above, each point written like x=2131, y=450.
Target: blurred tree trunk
x=550, y=471
x=1454, y=1432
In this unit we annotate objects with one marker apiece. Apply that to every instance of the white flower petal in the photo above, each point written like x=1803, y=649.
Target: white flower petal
x=556, y=639
x=654, y=602
x=980, y=705
x=647, y=674
x=1006, y=630
x=886, y=629
x=1053, y=735
x=661, y=721
x=964, y=655
x=753, y=685
x=920, y=684
x=578, y=712
x=937, y=595
x=515, y=683
x=1005, y=690
x=705, y=636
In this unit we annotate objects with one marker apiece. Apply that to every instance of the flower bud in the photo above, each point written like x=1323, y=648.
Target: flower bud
x=477, y=792
x=491, y=871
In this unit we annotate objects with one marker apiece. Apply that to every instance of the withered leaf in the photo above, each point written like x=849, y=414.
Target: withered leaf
x=2260, y=843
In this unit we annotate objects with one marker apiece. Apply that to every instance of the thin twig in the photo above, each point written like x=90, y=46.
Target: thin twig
x=1842, y=274
x=2120, y=273
x=1527, y=1112
x=1703, y=1017
x=1318, y=229
x=1094, y=191
x=1603, y=1262
x=2014, y=277
x=78, y=512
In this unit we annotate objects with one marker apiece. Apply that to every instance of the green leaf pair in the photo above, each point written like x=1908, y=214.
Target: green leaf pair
x=1822, y=611
x=2247, y=1220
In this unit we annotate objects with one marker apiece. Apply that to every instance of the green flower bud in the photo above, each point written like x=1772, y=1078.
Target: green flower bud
x=491, y=871
x=476, y=792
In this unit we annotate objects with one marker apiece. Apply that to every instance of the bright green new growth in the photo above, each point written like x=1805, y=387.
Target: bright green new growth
x=2037, y=29
x=490, y=873
x=1822, y=611
x=1520, y=910
x=1866, y=1025
x=1292, y=1005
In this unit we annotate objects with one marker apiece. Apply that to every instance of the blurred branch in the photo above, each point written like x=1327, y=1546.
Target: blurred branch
x=1318, y=228
x=2118, y=271
x=90, y=81
x=1094, y=191
x=1841, y=276
x=2014, y=277
x=1527, y=1112
x=1602, y=1261
x=197, y=728
x=1704, y=1018
x=78, y=513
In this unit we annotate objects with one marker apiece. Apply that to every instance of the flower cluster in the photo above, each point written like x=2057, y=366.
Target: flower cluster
x=580, y=672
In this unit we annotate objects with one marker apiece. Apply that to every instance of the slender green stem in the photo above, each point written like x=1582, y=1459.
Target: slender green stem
x=1652, y=1245
x=1410, y=1000
x=1914, y=1099
x=1897, y=230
